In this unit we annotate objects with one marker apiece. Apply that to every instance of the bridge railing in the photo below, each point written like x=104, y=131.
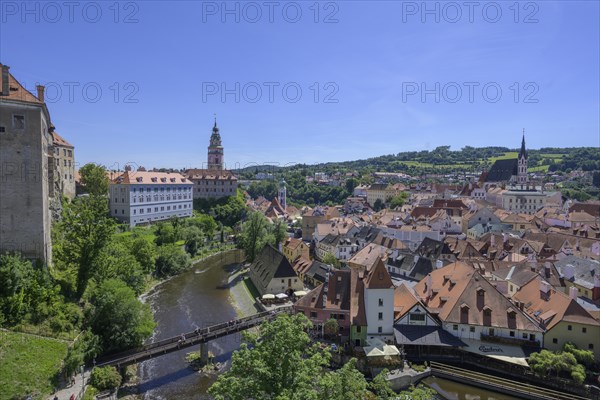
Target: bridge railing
x=195, y=335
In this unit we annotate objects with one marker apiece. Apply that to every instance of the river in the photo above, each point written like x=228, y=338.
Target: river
x=200, y=297
x=196, y=298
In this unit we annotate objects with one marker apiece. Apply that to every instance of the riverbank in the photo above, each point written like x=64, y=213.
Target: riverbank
x=155, y=283
x=239, y=295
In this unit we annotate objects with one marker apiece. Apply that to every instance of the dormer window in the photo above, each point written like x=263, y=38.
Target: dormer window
x=139, y=179
x=173, y=179
x=163, y=179
x=154, y=179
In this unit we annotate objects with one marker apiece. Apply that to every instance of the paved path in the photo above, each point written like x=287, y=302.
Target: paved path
x=65, y=393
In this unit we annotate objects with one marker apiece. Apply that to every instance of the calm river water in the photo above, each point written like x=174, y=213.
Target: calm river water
x=198, y=298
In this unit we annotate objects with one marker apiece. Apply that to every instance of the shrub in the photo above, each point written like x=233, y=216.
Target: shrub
x=105, y=378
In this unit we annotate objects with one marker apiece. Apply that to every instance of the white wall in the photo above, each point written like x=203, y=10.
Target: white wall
x=373, y=309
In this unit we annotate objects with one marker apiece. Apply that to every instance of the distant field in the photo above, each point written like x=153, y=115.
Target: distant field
x=28, y=365
x=541, y=168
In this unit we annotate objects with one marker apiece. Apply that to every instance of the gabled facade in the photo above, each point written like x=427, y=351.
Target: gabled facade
x=561, y=316
x=272, y=273
x=293, y=248
x=469, y=307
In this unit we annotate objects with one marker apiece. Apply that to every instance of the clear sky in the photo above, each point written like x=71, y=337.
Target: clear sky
x=376, y=77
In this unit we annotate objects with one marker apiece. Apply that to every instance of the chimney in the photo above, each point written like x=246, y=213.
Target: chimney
x=569, y=272
x=545, y=290
x=40, y=92
x=547, y=270
x=428, y=284
x=596, y=289
x=5, y=87
x=573, y=293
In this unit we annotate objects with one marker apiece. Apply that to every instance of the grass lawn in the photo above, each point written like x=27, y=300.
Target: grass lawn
x=29, y=364
x=146, y=232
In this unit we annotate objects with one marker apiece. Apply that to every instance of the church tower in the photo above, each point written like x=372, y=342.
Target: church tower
x=282, y=194
x=215, y=149
x=522, y=163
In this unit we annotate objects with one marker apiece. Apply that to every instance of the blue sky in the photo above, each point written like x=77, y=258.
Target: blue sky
x=376, y=77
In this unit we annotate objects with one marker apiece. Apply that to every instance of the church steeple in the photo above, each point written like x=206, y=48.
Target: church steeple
x=215, y=149
x=523, y=152
x=522, y=164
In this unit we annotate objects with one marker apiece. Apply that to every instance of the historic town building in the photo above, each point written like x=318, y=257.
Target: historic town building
x=215, y=181
x=141, y=197
x=28, y=183
x=65, y=165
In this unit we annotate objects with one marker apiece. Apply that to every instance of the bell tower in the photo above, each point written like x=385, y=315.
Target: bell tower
x=522, y=164
x=282, y=194
x=215, y=149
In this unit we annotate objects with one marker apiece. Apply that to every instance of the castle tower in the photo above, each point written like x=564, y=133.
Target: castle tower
x=522, y=163
x=215, y=149
x=282, y=194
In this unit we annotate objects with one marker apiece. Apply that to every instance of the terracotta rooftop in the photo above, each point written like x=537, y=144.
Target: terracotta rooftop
x=150, y=178
x=17, y=92
x=60, y=141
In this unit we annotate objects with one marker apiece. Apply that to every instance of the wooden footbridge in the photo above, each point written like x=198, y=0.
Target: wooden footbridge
x=196, y=337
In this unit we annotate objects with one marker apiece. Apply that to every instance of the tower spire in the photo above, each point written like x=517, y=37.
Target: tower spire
x=523, y=152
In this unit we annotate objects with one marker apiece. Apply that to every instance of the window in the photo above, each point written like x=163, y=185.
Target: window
x=454, y=327
x=591, y=346
x=569, y=327
x=524, y=335
x=417, y=317
x=583, y=330
x=358, y=329
x=472, y=329
x=18, y=122
x=380, y=316
x=380, y=302
x=512, y=333
x=379, y=329
x=555, y=340
x=313, y=314
x=2, y=129
x=116, y=211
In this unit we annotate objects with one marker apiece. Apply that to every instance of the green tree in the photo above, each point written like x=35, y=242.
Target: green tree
x=94, y=179
x=145, y=254
x=420, y=392
x=280, y=363
x=380, y=386
x=351, y=184
x=585, y=357
x=84, y=350
x=171, y=260
x=193, y=239
x=105, y=378
x=253, y=235
x=117, y=261
x=330, y=259
x=27, y=293
x=398, y=200
x=165, y=233
x=331, y=328
x=347, y=383
x=116, y=315
x=278, y=231
x=378, y=205
x=80, y=237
